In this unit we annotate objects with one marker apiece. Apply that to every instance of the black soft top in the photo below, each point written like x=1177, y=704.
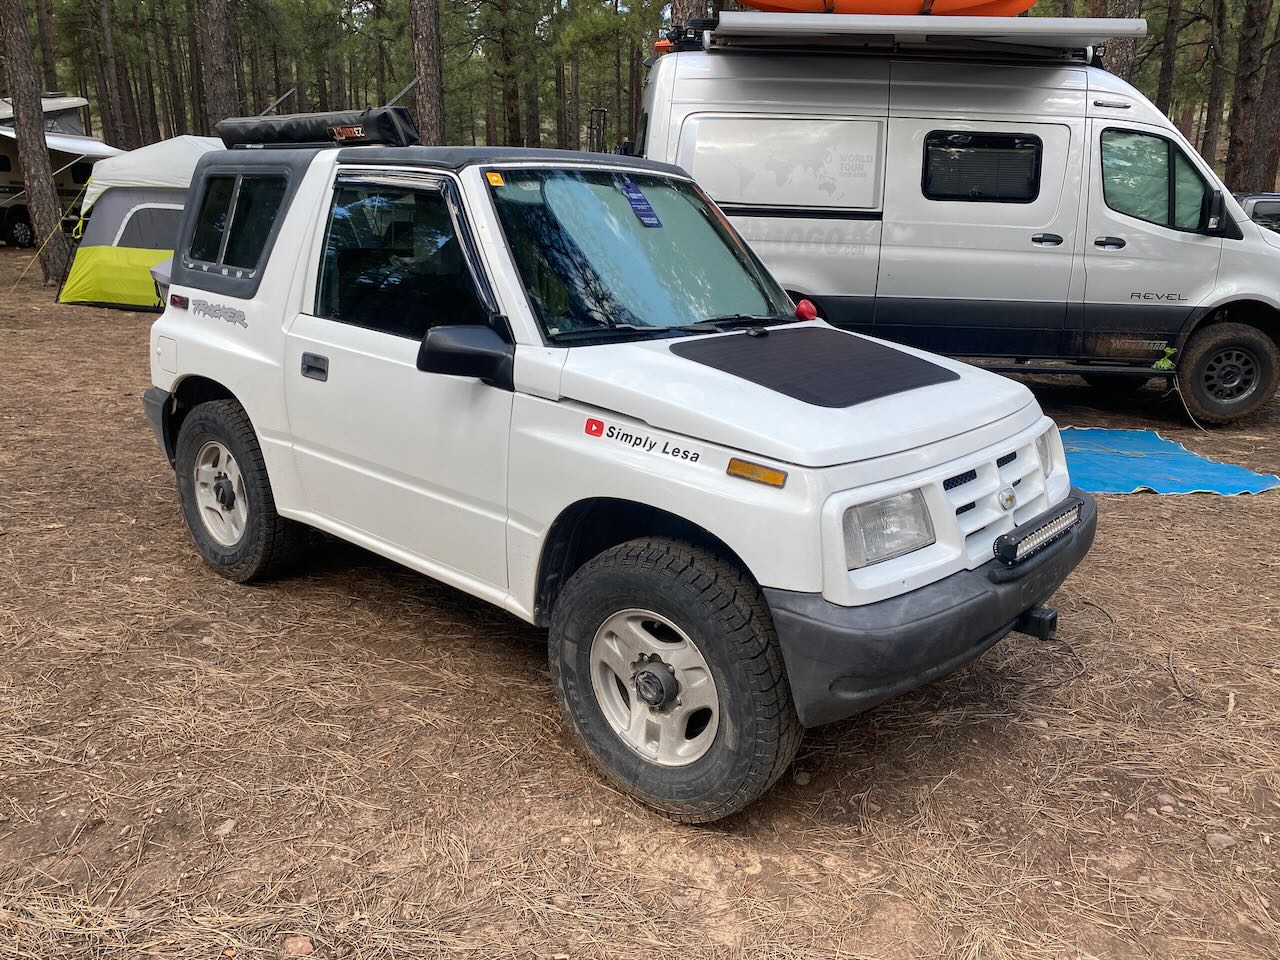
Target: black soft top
x=455, y=158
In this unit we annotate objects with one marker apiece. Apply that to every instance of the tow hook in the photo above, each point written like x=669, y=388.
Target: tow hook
x=1041, y=622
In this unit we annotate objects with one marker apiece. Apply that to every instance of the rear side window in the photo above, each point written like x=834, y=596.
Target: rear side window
x=81, y=172
x=981, y=167
x=235, y=219
x=1148, y=177
x=1267, y=214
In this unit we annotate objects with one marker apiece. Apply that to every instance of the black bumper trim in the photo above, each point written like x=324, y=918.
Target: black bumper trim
x=156, y=405
x=843, y=660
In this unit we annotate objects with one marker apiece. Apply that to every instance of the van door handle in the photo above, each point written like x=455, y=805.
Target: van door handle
x=1046, y=240
x=1109, y=243
x=315, y=366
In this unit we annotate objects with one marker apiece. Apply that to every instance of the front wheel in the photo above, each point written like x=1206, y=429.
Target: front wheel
x=1227, y=371
x=667, y=666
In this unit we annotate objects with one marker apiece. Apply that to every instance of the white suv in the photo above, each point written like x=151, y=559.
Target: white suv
x=561, y=382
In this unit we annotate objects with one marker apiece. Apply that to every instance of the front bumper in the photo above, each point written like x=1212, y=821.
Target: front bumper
x=843, y=660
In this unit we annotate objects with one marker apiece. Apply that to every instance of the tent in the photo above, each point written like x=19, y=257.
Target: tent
x=133, y=207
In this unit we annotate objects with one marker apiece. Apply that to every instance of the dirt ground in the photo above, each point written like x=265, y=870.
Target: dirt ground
x=359, y=756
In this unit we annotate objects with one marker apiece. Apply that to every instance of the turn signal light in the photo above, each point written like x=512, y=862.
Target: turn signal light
x=178, y=300
x=757, y=472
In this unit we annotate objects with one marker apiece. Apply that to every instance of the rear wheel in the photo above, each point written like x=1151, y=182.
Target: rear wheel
x=1227, y=371
x=226, y=497
x=18, y=231
x=667, y=666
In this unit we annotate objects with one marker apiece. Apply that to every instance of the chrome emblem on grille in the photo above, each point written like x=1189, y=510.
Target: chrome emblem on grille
x=1007, y=498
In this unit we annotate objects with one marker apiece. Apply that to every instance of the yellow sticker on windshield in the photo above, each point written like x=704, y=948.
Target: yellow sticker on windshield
x=495, y=179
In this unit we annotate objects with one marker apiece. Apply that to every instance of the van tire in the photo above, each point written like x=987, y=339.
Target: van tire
x=1227, y=371
x=722, y=612
x=269, y=544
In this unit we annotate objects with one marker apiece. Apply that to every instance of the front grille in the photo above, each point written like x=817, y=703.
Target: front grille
x=974, y=495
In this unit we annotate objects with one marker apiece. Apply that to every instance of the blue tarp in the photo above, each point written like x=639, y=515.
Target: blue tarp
x=1126, y=461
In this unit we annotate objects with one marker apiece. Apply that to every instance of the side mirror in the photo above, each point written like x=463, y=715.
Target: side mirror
x=469, y=350
x=1215, y=211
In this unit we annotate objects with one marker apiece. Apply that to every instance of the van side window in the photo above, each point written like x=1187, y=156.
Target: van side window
x=1267, y=214
x=81, y=172
x=236, y=216
x=394, y=263
x=981, y=167
x=1148, y=177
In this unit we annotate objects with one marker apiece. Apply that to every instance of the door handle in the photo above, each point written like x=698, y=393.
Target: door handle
x=315, y=366
x=1046, y=239
x=1109, y=243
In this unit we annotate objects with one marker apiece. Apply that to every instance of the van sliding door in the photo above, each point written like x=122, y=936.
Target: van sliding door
x=979, y=235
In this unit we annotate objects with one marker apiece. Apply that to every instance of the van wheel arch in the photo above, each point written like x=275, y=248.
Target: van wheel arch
x=1251, y=313
x=587, y=528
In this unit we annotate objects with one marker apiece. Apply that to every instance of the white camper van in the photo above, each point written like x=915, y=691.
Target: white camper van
x=977, y=187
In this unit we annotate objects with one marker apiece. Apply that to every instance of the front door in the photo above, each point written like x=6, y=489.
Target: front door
x=386, y=453
x=979, y=231
x=1148, y=260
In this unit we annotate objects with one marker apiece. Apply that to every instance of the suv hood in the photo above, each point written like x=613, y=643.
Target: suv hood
x=645, y=380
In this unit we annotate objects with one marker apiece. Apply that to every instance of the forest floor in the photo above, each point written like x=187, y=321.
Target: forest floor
x=366, y=759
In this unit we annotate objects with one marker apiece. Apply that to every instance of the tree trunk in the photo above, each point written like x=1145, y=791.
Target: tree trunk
x=1217, y=85
x=1244, y=98
x=1068, y=8
x=112, y=115
x=562, y=131
x=1266, y=131
x=575, y=119
x=490, y=117
x=33, y=153
x=532, y=111
x=428, y=96
x=1169, y=56
x=216, y=49
x=48, y=59
x=1122, y=55
x=682, y=11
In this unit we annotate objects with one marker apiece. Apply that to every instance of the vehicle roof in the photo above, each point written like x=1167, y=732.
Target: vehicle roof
x=456, y=158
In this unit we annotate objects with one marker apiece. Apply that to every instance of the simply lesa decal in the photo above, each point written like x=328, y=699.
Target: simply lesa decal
x=639, y=441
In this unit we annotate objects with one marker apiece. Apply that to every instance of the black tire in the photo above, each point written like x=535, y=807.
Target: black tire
x=1228, y=371
x=724, y=614
x=270, y=544
x=1121, y=385
x=18, y=231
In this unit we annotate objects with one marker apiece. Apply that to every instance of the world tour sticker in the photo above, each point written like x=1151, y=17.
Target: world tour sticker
x=639, y=203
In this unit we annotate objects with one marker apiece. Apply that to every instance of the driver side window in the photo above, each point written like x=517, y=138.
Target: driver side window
x=393, y=262
x=1149, y=177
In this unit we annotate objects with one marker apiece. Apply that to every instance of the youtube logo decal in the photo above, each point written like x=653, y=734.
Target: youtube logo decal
x=594, y=428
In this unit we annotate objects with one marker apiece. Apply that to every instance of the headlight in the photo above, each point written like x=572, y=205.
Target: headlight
x=886, y=529
x=1044, y=449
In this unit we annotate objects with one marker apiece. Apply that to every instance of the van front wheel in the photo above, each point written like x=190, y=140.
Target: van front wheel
x=1227, y=371
x=667, y=666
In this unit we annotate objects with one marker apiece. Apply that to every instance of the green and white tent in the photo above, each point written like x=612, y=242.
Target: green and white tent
x=130, y=216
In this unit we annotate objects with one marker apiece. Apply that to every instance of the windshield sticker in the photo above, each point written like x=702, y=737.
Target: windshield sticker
x=639, y=203
x=639, y=441
x=494, y=178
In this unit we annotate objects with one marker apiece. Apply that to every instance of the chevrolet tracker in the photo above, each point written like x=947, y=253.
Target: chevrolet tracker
x=563, y=383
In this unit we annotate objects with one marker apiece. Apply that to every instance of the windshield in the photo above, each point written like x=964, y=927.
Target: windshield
x=599, y=249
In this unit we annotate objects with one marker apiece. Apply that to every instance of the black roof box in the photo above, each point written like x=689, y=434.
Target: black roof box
x=385, y=126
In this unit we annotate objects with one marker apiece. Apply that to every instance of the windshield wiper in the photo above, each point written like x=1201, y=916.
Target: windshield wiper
x=734, y=321
x=605, y=332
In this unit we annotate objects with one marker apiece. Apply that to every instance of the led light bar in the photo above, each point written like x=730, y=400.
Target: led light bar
x=1017, y=545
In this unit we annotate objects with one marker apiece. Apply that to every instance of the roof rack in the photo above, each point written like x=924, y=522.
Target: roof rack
x=381, y=126
x=1031, y=37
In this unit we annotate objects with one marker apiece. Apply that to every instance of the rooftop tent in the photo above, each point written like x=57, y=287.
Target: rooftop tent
x=133, y=207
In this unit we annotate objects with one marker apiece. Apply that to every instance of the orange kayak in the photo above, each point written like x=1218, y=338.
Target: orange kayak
x=939, y=8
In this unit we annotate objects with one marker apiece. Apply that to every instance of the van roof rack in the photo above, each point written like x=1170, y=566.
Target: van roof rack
x=1060, y=38
x=380, y=126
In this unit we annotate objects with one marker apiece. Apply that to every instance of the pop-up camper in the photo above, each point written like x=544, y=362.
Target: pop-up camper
x=132, y=210
x=70, y=152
